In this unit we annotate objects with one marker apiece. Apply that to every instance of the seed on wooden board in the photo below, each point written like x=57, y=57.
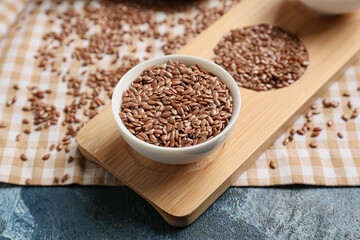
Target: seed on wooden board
x=65, y=178
x=28, y=181
x=300, y=132
x=340, y=134
x=313, y=145
x=272, y=164
x=3, y=125
x=23, y=157
x=330, y=123
x=18, y=137
x=46, y=156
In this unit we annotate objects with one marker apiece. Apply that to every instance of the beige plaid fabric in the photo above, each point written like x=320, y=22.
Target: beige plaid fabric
x=335, y=162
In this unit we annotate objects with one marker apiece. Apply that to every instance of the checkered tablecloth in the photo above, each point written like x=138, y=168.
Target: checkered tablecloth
x=336, y=162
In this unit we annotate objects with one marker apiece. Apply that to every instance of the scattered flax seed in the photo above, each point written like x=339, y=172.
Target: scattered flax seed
x=27, y=131
x=16, y=87
x=345, y=117
x=313, y=145
x=18, y=137
x=38, y=128
x=317, y=129
x=316, y=112
x=52, y=147
x=330, y=123
x=59, y=147
x=28, y=181
x=46, y=156
x=354, y=115
x=327, y=103
x=349, y=104
x=23, y=157
x=314, y=106
x=300, y=132
x=70, y=159
x=3, y=125
x=48, y=91
x=291, y=138
x=286, y=141
x=292, y=132
x=347, y=94
x=315, y=134
x=56, y=180
x=340, y=134
x=272, y=164
x=65, y=178
x=25, y=121
x=67, y=148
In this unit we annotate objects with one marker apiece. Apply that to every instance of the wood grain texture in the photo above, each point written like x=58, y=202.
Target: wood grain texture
x=182, y=193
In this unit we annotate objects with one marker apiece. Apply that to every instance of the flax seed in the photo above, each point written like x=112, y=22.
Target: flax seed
x=46, y=157
x=3, y=125
x=272, y=164
x=330, y=123
x=313, y=145
x=340, y=134
x=23, y=157
x=18, y=137
x=65, y=178
x=28, y=181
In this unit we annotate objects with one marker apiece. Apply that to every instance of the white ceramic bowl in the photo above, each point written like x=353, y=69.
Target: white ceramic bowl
x=333, y=6
x=180, y=155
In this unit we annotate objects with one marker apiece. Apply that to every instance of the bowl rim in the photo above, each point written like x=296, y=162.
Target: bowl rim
x=234, y=90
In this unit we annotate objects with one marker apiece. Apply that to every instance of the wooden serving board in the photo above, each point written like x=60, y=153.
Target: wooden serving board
x=182, y=193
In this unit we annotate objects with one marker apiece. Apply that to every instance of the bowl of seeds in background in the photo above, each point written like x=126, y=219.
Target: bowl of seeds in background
x=176, y=109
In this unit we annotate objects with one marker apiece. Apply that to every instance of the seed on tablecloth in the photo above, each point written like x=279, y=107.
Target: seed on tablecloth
x=18, y=137
x=27, y=131
x=70, y=159
x=67, y=148
x=314, y=106
x=56, y=180
x=251, y=56
x=25, y=121
x=345, y=117
x=330, y=123
x=291, y=138
x=292, y=132
x=28, y=181
x=347, y=94
x=317, y=129
x=354, y=115
x=349, y=104
x=3, y=125
x=340, y=134
x=39, y=128
x=59, y=147
x=65, y=178
x=272, y=164
x=313, y=145
x=286, y=141
x=16, y=87
x=52, y=147
x=46, y=156
x=300, y=132
x=23, y=157
x=315, y=134
x=316, y=112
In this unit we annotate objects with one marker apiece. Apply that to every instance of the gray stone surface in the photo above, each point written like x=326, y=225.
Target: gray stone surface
x=78, y=212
